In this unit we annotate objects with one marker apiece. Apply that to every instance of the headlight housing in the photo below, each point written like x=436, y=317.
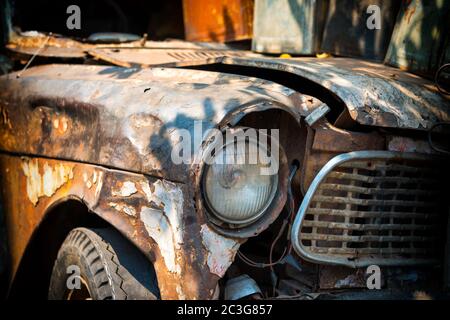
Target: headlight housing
x=237, y=197
x=238, y=193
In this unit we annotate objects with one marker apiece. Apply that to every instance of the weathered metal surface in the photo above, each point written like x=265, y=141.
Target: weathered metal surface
x=288, y=26
x=338, y=277
x=408, y=144
x=54, y=46
x=419, y=36
x=218, y=20
x=326, y=141
x=126, y=118
x=346, y=32
x=188, y=256
x=374, y=94
x=148, y=53
x=241, y=287
x=127, y=57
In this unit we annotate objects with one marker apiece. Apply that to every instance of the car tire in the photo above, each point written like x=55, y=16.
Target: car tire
x=99, y=264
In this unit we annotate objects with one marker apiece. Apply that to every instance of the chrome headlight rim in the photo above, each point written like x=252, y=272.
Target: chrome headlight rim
x=253, y=217
x=266, y=216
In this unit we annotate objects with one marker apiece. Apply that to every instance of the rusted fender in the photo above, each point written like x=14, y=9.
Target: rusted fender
x=126, y=118
x=188, y=256
x=375, y=94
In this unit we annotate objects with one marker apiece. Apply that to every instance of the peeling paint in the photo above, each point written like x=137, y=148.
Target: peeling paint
x=86, y=180
x=47, y=184
x=123, y=208
x=99, y=181
x=169, y=196
x=221, y=250
x=146, y=189
x=181, y=295
x=137, y=138
x=128, y=188
x=158, y=227
x=94, y=177
x=61, y=124
x=5, y=118
x=165, y=225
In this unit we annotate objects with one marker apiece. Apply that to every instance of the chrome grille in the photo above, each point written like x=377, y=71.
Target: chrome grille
x=375, y=207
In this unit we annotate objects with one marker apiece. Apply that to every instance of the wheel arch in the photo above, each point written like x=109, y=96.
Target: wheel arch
x=36, y=264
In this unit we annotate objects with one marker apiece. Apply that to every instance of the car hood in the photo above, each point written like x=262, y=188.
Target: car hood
x=374, y=94
x=126, y=118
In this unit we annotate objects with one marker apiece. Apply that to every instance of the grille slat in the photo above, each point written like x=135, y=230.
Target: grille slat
x=384, y=167
x=375, y=238
x=372, y=179
x=380, y=251
x=367, y=214
x=365, y=190
x=391, y=210
x=373, y=202
x=366, y=227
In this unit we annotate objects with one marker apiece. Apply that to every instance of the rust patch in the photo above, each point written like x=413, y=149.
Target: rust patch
x=221, y=250
x=128, y=188
x=47, y=183
x=5, y=118
x=61, y=124
x=123, y=208
x=165, y=225
x=407, y=144
x=159, y=228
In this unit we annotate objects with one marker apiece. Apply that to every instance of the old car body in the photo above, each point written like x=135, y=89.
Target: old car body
x=102, y=136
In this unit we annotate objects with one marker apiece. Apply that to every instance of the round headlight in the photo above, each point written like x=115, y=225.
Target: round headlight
x=238, y=193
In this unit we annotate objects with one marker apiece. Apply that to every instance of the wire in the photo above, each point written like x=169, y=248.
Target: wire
x=286, y=221
x=436, y=79
x=34, y=55
x=430, y=140
x=252, y=263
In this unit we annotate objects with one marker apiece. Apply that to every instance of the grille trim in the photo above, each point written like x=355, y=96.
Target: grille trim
x=386, y=234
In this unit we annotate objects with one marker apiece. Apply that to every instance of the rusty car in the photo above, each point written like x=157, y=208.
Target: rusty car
x=86, y=136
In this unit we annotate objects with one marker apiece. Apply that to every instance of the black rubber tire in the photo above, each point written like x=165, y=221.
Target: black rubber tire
x=110, y=267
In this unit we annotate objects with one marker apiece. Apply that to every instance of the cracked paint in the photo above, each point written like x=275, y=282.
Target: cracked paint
x=99, y=182
x=61, y=125
x=221, y=250
x=159, y=228
x=128, y=188
x=52, y=179
x=123, y=208
x=164, y=225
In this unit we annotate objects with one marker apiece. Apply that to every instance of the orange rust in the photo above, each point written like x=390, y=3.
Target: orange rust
x=95, y=185
x=218, y=20
x=38, y=41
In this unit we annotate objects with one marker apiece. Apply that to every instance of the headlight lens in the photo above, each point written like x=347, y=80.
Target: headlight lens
x=238, y=193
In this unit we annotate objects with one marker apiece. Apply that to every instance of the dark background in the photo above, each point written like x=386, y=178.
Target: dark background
x=159, y=19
